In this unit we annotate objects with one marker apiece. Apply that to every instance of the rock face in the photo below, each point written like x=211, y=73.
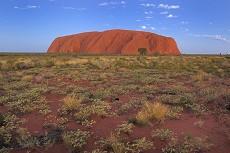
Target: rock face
x=114, y=42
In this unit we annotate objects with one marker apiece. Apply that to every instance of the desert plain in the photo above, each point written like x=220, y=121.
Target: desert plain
x=114, y=103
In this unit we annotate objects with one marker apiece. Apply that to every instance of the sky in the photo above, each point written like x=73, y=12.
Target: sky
x=198, y=26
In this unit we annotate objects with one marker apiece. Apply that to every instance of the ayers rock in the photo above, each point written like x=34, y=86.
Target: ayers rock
x=114, y=42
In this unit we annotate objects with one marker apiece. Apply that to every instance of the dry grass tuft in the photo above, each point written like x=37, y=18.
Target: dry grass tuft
x=27, y=78
x=149, y=111
x=117, y=146
x=71, y=102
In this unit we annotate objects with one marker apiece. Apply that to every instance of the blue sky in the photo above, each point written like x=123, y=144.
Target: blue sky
x=199, y=26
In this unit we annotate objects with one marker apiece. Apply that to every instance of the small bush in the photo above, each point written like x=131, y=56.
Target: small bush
x=116, y=144
x=142, y=51
x=163, y=134
x=149, y=111
x=186, y=99
x=49, y=63
x=71, y=102
x=27, y=78
x=126, y=128
x=140, y=145
x=22, y=65
x=198, y=123
x=142, y=118
x=156, y=111
x=201, y=76
x=102, y=64
x=26, y=140
x=189, y=145
x=75, y=140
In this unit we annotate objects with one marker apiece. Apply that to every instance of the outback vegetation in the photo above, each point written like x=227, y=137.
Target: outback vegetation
x=142, y=51
x=97, y=104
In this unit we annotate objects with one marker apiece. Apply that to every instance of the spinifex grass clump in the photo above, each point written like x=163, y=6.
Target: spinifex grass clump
x=151, y=111
x=71, y=102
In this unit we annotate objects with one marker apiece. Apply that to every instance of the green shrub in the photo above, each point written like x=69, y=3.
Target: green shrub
x=188, y=145
x=26, y=140
x=126, y=128
x=142, y=51
x=22, y=65
x=163, y=134
x=75, y=140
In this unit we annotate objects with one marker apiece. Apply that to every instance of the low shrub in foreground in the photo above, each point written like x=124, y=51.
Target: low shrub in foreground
x=75, y=140
x=189, y=145
x=163, y=134
x=149, y=111
x=71, y=102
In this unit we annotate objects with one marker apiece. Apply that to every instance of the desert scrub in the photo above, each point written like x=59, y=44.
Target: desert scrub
x=198, y=123
x=186, y=99
x=99, y=108
x=140, y=145
x=122, y=88
x=43, y=106
x=118, y=89
x=48, y=142
x=75, y=76
x=26, y=64
x=23, y=101
x=201, y=76
x=11, y=124
x=27, y=78
x=124, y=128
x=55, y=123
x=150, y=89
x=151, y=111
x=26, y=140
x=188, y=145
x=198, y=109
x=101, y=64
x=71, y=102
x=134, y=103
x=101, y=93
x=5, y=150
x=88, y=123
x=226, y=95
x=210, y=94
x=174, y=112
x=82, y=115
x=118, y=145
x=168, y=99
x=75, y=140
x=163, y=134
x=176, y=89
x=19, y=85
